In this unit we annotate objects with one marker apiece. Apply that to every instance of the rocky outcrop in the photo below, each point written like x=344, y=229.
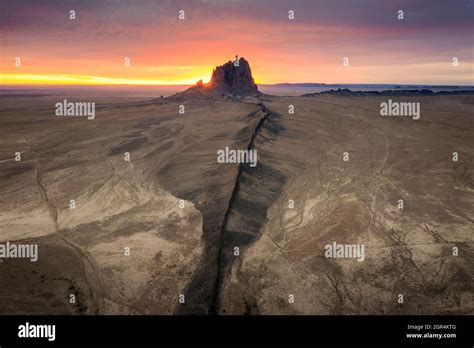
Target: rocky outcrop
x=346, y=92
x=233, y=78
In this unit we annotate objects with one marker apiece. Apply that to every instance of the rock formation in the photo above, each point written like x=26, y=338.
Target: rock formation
x=234, y=78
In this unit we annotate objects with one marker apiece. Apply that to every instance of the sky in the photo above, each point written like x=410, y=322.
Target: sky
x=164, y=49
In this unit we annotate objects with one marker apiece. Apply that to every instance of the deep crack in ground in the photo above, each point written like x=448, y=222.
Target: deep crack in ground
x=214, y=309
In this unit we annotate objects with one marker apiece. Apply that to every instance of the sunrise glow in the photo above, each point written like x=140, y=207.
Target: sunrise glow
x=47, y=47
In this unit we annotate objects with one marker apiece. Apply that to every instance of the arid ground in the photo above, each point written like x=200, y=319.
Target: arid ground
x=168, y=222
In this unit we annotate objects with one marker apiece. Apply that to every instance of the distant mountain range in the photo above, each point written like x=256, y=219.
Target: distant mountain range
x=362, y=85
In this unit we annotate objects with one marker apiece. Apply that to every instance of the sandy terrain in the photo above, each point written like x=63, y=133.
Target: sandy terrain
x=408, y=252
x=187, y=247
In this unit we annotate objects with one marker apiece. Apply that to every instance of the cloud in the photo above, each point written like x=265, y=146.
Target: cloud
x=104, y=32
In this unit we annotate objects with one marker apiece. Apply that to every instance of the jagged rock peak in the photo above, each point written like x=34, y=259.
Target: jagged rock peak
x=234, y=77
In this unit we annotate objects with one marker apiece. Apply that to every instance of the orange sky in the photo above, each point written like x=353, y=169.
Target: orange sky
x=163, y=49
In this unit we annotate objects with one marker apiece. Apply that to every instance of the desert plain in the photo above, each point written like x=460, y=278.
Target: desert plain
x=172, y=231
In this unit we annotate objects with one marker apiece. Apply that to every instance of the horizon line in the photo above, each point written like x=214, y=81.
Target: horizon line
x=192, y=84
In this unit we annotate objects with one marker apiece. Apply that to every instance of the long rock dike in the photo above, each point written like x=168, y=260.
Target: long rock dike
x=254, y=190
